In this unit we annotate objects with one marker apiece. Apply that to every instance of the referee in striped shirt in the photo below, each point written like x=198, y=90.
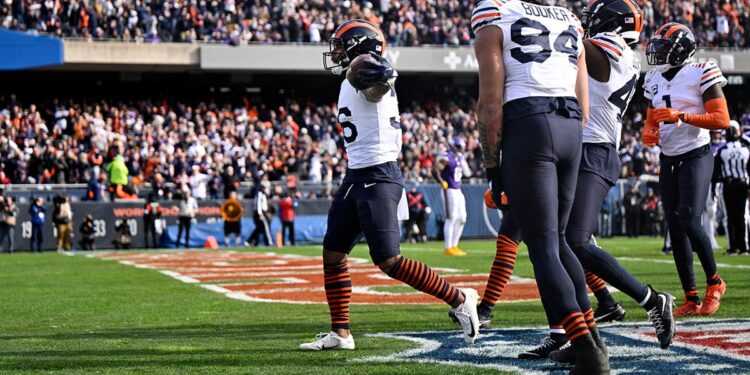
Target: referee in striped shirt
x=732, y=168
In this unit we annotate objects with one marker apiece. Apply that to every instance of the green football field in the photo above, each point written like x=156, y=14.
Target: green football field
x=78, y=314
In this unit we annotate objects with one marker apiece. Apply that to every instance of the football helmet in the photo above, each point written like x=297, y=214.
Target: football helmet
x=672, y=45
x=351, y=39
x=623, y=17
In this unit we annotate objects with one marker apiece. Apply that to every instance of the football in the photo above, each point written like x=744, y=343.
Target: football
x=354, y=67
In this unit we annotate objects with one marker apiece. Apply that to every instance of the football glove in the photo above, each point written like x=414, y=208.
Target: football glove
x=496, y=186
x=668, y=115
x=444, y=185
x=488, y=199
x=650, y=134
x=378, y=71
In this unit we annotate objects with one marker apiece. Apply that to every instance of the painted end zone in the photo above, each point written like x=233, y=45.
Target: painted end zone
x=700, y=347
x=270, y=277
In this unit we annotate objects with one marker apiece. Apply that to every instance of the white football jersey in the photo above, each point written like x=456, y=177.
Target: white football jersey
x=683, y=93
x=609, y=100
x=372, y=131
x=541, y=46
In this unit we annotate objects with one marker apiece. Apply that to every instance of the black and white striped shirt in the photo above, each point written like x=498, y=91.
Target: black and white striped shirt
x=732, y=162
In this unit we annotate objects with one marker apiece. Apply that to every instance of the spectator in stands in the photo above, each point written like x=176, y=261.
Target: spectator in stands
x=199, y=181
x=62, y=217
x=231, y=211
x=418, y=213
x=632, y=204
x=118, y=179
x=287, y=205
x=93, y=188
x=151, y=214
x=653, y=212
x=229, y=181
x=87, y=231
x=8, y=215
x=37, y=212
x=188, y=210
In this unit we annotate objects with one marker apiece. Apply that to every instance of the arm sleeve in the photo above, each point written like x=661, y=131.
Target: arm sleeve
x=716, y=118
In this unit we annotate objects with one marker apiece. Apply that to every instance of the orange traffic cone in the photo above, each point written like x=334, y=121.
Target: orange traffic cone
x=211, y=243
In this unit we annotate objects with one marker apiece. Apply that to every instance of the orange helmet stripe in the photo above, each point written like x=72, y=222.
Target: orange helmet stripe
x=674, y=29
x=661, y=29
x=362, y=24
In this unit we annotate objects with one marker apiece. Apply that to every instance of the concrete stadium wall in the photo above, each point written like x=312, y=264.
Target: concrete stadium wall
x=296, y=58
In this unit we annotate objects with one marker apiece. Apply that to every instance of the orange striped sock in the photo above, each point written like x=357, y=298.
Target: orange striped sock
x=599, y=288
x=575, y=325
x=338, y=286
x=424, y=279
x=588, y=316
x=714, y=280
x=502, y=269
x=594, y=282
x=692, y=295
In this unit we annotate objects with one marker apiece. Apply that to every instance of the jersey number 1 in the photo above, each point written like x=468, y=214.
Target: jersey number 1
x=541, y=40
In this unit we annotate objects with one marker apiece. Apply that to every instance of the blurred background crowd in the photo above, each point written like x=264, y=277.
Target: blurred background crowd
x=716, y=23
x=214, y=147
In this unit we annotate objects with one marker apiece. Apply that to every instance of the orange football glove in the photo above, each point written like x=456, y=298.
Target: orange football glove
x=667, y=115
x=488, y=201
x=650, y=132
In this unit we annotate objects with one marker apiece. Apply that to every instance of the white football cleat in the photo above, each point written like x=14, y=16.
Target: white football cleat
x=467, y=316
x=329, y=341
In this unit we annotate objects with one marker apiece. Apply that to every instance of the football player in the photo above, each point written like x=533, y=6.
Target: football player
x=611, y=26
x=686, y=102
x=368, y=201
x=533, y=100
x=448, y=171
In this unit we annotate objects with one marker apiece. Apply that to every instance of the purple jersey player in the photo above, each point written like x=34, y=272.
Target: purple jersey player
x=448, y=171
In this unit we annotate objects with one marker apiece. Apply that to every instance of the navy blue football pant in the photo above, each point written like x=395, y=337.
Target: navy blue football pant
x=541, y=153
x=684, y=181
x=510, y=229
x=591, y=190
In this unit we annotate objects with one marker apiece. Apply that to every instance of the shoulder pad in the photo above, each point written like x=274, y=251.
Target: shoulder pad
x=612, y=44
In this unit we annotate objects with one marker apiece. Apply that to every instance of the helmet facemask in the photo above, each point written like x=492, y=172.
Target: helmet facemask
x=658, y=51
x=336, y=60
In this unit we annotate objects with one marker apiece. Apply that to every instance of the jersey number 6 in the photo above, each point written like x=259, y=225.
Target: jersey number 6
x=541, y=40
x=353, y=133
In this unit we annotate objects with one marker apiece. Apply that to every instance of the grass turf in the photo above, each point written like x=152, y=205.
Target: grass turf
x=79, y=315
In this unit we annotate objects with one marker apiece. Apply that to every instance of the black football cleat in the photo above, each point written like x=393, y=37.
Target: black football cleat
x=606, y=314
x=548, y=345
x=591, y=362
x=662, y=319
x=567, y=355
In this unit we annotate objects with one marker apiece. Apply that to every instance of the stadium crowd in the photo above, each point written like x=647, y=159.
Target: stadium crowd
x=405, y=23
x=213, y=147
x=66, y=142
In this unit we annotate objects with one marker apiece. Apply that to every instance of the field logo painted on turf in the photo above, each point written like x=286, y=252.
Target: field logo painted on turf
x=271, y=277
x=700, y=347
